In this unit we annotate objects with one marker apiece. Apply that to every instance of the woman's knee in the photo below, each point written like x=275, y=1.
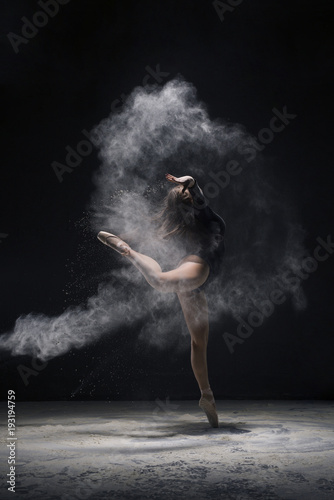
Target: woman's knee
x=163, y=282
x=158, y=282
x=199, y=342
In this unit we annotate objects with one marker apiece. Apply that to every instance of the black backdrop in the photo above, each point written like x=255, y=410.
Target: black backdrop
x=243, y=59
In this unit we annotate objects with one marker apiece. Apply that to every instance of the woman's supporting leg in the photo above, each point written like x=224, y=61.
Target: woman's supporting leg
x=195, y=309
x=191, y=273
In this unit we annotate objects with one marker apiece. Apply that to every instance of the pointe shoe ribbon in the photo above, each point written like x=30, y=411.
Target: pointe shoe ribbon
x=114, y=242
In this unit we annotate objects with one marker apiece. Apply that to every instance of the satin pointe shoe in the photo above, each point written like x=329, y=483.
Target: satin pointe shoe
x=209, y=408
x=114, y=242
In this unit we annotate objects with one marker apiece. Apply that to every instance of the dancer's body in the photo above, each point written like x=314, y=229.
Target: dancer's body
x=186, y=216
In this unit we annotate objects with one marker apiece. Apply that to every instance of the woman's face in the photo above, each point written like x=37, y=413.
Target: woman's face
x=187, y=196
x=184, y=194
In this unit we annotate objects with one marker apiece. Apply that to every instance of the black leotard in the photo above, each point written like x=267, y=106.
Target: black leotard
x=213, y=248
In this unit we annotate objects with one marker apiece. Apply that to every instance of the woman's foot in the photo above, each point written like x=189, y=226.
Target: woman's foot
x=207, y=404
x=114, y=242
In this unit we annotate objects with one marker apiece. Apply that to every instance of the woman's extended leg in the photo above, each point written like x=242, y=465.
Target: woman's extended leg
x=190, y=274
x=195, y=309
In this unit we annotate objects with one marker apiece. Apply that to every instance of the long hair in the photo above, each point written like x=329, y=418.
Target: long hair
x=177, y=217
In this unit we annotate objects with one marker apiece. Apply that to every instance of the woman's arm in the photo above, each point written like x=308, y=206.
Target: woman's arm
x=187, y=181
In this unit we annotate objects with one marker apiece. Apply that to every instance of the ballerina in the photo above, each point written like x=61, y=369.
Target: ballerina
x=187, y=217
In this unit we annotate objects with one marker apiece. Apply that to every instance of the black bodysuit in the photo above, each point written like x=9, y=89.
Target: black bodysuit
x=213, y=248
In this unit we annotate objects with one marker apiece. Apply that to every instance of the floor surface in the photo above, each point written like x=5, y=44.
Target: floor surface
x=166, y=450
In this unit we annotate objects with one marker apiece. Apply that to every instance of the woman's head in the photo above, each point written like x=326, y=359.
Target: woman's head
x=177, y=214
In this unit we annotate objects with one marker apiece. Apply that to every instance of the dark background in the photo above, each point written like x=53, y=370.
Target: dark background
x=264, y=54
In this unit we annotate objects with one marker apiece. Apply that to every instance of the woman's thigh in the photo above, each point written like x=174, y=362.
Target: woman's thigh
x=190, y=274
x=195, y=310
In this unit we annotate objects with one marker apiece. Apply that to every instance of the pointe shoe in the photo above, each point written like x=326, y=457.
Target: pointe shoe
x=114, y=242
x=209, y=408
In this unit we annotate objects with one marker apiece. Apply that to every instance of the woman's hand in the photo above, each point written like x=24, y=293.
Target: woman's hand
x=186, y=180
